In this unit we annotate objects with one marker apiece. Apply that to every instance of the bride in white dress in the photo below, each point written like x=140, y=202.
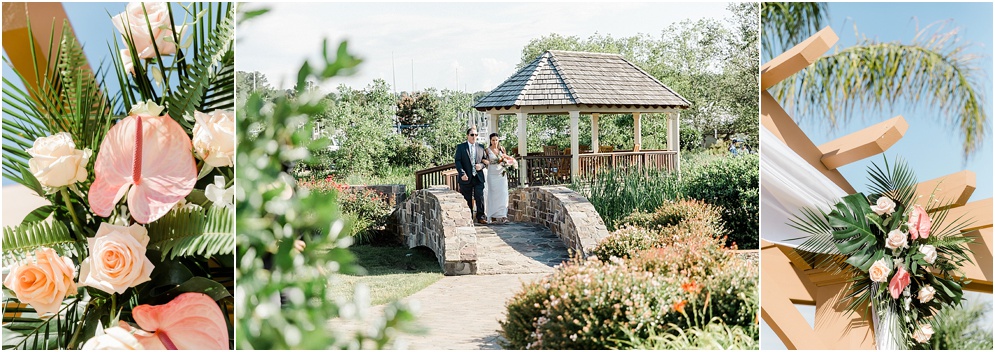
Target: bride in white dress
x=496, y=189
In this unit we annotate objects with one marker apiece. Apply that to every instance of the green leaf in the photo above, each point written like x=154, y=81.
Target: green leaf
x=194, y=232
x=39, y=214
x=212, y=288
x=31, y=182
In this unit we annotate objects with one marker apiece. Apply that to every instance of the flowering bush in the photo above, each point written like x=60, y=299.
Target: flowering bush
x=367, y=208
x=682, y=223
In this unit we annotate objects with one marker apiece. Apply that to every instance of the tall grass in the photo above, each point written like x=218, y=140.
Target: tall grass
x=731, y=183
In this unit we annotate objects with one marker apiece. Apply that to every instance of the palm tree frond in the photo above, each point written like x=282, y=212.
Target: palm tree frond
x=193, y=232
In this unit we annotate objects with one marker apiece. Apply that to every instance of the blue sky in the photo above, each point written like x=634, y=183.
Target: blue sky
x=931, y=147
x=482, y=41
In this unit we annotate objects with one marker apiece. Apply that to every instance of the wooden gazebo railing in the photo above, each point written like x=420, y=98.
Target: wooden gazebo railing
x=544, y=170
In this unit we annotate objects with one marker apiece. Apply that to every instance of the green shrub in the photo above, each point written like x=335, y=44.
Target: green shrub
x=370, y=209
x=732, y=183
x=624, y=242
x=673, y=212
x=589, y=305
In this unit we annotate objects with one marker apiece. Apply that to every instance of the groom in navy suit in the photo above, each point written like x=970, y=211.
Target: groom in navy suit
x=471, y=159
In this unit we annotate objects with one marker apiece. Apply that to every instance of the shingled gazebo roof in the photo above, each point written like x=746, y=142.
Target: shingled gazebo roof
x=581, y=78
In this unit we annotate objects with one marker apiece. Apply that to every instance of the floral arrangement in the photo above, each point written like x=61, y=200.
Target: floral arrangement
x=507, y=161
x=136, y=246
x=903, y=258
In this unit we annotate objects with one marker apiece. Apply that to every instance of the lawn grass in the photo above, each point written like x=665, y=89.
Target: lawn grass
x=392, y=273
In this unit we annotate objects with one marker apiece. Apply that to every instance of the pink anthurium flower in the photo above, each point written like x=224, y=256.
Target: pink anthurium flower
x=919, y=223
x=150, y=158
x=899, y=282
x=191, y=321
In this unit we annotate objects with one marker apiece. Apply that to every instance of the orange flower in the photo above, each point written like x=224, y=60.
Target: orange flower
x=679, y=306
x=692, y=287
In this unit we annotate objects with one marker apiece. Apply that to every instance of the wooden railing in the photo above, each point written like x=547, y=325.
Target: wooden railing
x=447, y=175
x=546, y=170
x=592, y=164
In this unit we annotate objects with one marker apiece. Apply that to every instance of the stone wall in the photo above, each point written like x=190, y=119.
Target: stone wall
x=438, y=218
x=566, y=213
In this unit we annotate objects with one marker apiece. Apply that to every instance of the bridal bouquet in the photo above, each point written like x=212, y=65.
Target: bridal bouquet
x=135, y=248
x=507, y=161
x=902, y=258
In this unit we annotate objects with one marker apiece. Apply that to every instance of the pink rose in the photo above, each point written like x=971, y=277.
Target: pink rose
x=42, y=280
x=919, y=223
x=133, y=19
x=884, y=206
x=129, y=65
x=899, y=282
x=117, y=259
x=896, y=239
x=214, y=137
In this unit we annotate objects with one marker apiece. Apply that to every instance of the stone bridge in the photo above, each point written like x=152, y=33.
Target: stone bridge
x=547, y=224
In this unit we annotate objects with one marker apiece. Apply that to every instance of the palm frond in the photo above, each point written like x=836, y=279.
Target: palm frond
x=23, y=239
x=785, y=24
x=25, y=329
x=62, y=97
x=898, y=182
x=193, y=232
x=206, y=81
x=934, y=69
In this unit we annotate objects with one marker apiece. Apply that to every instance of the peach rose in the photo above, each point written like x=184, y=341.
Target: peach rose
x=879, y=271
x=926, y=293
x=923, y=333
x=896, y=239
x=115, y=338
x=42, y=280
x=129, y=65
x=919, y=223
x=117, y=259
x=134, y=20
x=56, y=162
x=884, y=206
x=214, y=137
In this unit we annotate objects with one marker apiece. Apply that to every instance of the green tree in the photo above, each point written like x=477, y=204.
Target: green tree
x=934, y=70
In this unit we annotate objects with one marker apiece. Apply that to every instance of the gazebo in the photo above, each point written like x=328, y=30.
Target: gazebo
x=575, y=83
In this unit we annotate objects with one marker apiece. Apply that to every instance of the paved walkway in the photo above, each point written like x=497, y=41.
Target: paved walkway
x=462, y=312
x=518, y=248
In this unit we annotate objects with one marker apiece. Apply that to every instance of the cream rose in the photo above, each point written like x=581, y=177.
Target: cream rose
x=923, y=333
x=214, y=137
x=926, y=293
x=56, y=162
x=134, y=21
x=896, y=239
x=930, y=253
x=117, y=259
x=884, y=206
x=879, y=271
x=115, y=338
x=42, y=280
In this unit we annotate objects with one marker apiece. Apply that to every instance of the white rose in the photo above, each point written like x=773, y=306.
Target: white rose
x=879, y=271
x=896, y=239
x=926, y=293
x=117, y=259
x=214, y=137
x=134, y=20
x=56, y=162
x=884, y=206
x=115, y=338
x=923, y=333
x=930, y=253
x=129, y=65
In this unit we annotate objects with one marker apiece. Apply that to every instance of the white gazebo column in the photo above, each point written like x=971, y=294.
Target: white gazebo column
x=637, y=132
x=492, y=124
x=674, y=137
x=523, y=148
x=574, y=144
x=595, y=146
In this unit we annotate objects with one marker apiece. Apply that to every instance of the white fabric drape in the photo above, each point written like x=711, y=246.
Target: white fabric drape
x=788, y=183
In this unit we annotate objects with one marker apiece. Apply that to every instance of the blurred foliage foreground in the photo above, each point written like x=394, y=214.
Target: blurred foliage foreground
x=283, y=298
